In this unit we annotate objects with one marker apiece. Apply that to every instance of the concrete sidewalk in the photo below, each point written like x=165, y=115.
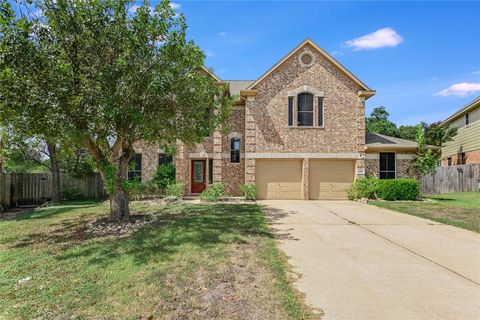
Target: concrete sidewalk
x=361, y=262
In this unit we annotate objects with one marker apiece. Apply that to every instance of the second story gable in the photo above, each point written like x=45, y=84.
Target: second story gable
x=306, y=103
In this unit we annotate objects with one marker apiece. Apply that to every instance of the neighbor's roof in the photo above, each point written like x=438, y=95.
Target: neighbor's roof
x=368, y=92
x=466, y=108
x=380, y=141
x=237, y=85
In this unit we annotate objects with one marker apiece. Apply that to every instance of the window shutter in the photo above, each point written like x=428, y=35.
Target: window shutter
x=290, y=111
x=320, y=111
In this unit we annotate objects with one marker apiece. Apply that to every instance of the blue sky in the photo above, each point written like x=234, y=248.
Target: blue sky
x=421, y=50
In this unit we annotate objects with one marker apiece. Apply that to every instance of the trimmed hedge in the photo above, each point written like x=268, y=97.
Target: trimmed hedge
x=398, y=189
x=386, y=189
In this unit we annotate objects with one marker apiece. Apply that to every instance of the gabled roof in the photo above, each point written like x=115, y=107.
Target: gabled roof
x=380, y=141
x=209, y=72
x=369, y=92
x=466, y=108
x=237, y=85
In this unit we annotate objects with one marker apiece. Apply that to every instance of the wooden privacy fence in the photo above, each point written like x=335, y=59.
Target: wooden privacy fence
x=461, y=178
x=35, y=188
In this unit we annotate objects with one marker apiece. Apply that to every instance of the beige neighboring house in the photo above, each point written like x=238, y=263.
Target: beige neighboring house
x=465, y=146
x=297, y=132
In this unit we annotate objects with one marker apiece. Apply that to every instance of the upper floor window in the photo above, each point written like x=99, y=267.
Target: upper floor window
x=305, y=110
x=290, y=111
x=467, y=119
x=320, y=111
x=164, y=159
x=235, y=150
x=135, y=167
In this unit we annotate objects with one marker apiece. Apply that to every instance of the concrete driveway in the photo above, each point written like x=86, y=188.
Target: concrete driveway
x=361, y=262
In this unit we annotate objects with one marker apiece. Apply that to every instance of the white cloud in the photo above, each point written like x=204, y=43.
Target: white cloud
x=386, y=37
x=209, y=53
x=175, y=5
x=460, y=89
x=476, y=72
x=222, y=34
x=337, y=53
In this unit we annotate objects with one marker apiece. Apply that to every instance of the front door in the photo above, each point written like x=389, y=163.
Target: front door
x=198, y=176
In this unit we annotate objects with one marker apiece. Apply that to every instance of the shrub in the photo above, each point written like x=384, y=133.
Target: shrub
x=388, y=189
x=174, y=190
x=364, y=188
x=213, y=192
x=134, y=188
x=249, y=190
x=164, y=176
x=398, y=189
x=71, y=194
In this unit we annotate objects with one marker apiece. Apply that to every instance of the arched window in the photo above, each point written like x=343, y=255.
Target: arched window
x=305, y=110
x=235, y=150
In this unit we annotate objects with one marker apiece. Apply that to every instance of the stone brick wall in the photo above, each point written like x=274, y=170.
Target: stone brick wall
x=372, y=167
x=343, y=111
x=149, y=158
x=233, y=174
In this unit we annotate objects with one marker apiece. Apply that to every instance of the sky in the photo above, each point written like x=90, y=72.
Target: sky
x=422, y=58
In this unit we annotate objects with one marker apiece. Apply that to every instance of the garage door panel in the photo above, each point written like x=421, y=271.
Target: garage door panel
x=330, y=179
x=279, y=179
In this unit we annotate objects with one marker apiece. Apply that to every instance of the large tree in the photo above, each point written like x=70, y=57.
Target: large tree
x=378, y=122
x=111, y=76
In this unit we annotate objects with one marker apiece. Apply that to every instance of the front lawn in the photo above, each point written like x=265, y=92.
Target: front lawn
x=196, y=262
x=460, y=209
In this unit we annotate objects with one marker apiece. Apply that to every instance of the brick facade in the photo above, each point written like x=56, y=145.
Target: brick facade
x=260, y=120
x=470, y=157
x=402, y=163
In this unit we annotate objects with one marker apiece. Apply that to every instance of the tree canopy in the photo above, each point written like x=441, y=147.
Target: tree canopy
x=105, y=76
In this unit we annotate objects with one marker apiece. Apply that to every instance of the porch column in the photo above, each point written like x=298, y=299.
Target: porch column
x=249, y=141
x=305, y=178
x=217, y=156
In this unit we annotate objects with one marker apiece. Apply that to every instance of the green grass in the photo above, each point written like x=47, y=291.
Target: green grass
x=460, y=209
x=199, y=262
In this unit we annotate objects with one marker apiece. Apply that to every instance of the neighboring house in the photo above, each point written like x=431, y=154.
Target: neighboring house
x=465, y=146
x=297, y=132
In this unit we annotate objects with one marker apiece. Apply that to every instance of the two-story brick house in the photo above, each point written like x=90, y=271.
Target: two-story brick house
x=297, y=132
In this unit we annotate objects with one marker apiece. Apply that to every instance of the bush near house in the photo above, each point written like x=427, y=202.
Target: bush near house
x=388, y=189
x=164, y=176
x=174, y=190
x=213, y=192
x=249, y=190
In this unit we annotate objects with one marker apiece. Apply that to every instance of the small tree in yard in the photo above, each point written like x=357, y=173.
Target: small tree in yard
x=108, y=77
x=427, y=160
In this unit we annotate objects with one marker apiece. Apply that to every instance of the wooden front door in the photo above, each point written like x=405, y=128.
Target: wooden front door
x=198, y=176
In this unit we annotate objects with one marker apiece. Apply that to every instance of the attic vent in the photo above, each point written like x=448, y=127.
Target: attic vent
x=306, y=59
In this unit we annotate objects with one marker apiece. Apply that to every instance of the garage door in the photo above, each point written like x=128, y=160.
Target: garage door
x=330, y=179
x=279, y=179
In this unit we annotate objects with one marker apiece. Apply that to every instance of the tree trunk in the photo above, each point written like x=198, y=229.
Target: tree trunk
x=119, y=209
x=55, y=170
x=1, y=153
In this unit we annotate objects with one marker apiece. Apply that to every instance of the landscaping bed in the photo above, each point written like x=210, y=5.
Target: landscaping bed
x=457, y=209
x=190, y=261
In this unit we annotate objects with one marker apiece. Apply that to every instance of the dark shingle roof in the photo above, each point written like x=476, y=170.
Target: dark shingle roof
x=380, y=140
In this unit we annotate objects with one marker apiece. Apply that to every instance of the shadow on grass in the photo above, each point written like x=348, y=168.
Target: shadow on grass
x=46, y=212
x=180, y=228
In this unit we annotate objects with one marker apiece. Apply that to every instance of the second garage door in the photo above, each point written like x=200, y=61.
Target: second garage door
x=330, y=179
x=279, y=179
